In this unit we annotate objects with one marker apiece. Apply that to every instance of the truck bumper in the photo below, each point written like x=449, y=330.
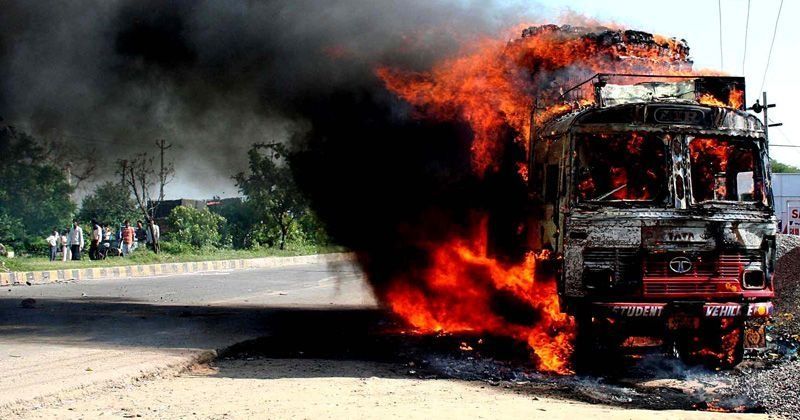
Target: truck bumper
x=689, y=315
x=702, y=309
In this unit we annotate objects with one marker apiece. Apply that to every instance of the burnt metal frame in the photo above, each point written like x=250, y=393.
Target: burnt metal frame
x=601, y=81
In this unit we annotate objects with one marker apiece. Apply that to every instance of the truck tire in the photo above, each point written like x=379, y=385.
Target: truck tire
x=716, y=345
x=597, y=346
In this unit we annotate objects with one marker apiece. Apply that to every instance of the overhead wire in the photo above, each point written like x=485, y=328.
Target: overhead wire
x=746, y=30
x=721, y=61
x=772, y=44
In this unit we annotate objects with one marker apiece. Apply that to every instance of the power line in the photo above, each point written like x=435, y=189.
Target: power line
x=746, y=28
x=783, y=134
x=772, y=44
x=721, y=61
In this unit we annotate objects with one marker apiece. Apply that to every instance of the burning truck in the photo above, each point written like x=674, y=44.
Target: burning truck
x=616, y=198
x=653, y=199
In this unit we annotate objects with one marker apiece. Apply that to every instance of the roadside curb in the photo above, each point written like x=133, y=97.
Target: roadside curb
x=149, y=270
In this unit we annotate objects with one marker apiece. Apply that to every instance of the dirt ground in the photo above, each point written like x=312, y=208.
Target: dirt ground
x=319, y=389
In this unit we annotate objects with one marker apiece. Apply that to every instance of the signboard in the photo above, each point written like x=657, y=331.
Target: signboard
x=793, y=218
x=679, y=116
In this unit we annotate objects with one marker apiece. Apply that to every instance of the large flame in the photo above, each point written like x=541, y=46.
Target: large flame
x=493, y=86
x=496, y=83
x=459, y=292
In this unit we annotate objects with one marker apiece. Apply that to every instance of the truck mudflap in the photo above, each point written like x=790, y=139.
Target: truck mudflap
x=678, y=315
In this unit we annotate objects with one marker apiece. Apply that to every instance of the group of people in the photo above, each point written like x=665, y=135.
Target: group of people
x=102, y=240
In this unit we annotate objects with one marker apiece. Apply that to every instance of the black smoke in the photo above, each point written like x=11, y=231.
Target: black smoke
x=212, y=77
x=215, y=77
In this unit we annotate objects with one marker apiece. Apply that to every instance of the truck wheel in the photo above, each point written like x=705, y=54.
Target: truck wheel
x=584, y=344
x=716, y=345
x=596, y=346
x=732, y=343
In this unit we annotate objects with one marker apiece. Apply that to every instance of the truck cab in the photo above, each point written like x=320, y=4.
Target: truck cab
x=655, y=201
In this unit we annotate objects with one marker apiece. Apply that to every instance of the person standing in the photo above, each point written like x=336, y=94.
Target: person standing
x=64, y=239
x=153, y=236
x=96, y=237
x=141, y=233
x=76, y=241
x=127, y=234
x=53, y=240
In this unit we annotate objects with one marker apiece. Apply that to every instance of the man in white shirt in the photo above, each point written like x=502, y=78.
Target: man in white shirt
x=76, y=240
x=53, y=240
x=96, y=238
x=153, y=236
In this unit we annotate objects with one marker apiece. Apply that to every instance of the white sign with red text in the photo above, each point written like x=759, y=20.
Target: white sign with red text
x=793, y=219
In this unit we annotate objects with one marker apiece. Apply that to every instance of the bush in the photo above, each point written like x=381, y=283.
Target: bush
x=176, y=248
x=196, y=228
x=240, y=217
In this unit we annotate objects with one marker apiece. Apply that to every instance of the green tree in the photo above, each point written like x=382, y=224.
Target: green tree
x=241, y=219
x=198, y=228
x=11, y=230
x=781, y=168
x=271, y=190
x=34, y=193
x=110, y=202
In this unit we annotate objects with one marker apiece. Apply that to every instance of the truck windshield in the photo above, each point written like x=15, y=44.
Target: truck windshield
x=621, y=167
x=723, y=170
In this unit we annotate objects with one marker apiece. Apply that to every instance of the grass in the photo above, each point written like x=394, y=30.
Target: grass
x=144, y=256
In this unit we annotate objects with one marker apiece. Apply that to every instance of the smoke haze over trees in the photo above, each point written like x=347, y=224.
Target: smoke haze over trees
x=34, y=194
x=211, y=77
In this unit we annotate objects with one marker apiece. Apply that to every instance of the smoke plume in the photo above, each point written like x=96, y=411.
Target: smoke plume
x=210, y=77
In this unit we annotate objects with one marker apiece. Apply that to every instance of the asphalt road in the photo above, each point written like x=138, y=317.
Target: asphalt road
x=94, y=333
x=303, y=342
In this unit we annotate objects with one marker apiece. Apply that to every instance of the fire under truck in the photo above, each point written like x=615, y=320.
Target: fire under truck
x=653, y=196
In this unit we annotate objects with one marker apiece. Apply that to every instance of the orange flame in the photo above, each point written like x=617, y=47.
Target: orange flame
x=455, y=294
x=735, y=99
x=492, y=86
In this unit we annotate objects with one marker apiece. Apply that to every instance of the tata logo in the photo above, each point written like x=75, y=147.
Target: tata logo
x=680, y=265
x=680, y=236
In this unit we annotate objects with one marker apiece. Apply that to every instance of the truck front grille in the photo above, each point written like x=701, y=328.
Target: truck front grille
x=678, y=287
x=622, y=266
x=704, y=265
x=710, y=273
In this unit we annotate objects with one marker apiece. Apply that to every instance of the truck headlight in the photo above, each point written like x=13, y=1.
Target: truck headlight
x=754, y=279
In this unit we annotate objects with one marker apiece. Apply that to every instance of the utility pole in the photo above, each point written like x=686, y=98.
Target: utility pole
x=123, y=172
x=162, y=174
x=758, y=109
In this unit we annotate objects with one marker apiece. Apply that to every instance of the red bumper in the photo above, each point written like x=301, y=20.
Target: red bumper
x=708, y=310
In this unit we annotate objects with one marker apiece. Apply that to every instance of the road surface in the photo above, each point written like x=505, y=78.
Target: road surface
x=99, y=332
x=115, y=348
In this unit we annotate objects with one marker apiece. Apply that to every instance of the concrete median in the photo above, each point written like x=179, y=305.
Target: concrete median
x=150, y=270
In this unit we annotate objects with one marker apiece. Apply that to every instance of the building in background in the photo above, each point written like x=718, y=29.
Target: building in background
x=786, y=189
x=217, y=202
x=164, y=208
